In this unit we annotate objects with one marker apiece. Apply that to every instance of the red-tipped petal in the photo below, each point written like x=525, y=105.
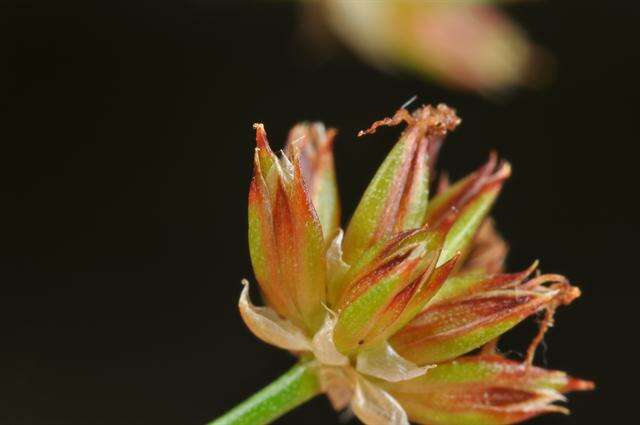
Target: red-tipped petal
x=488, y=250
x=454, y=326
x=424, y=294
x=262, y=246
x=362, y=305
x=448, y=330
x=471, y=211
x=467, y=284
x=373, y=259
x=410, y=301
x=455, y=196
x=397, y=196
x=265, y=154
x=300, y=248
x=285, y=238
x=483, y=389
x=314, y=146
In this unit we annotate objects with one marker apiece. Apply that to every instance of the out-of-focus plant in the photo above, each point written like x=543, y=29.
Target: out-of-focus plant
x=385, y=316
x=465, y=44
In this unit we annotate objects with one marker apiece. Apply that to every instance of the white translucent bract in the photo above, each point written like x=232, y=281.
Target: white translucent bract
x=269, y=327
x=374, y=406
x=338, y=379
x=383, y=362
x=324, y=348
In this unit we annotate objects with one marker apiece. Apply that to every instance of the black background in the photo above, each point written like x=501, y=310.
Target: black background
x=126, y=146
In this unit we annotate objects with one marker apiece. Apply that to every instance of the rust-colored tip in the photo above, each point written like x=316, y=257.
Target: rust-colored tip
x=437, y=120
x=261, y=137
x=575, y=384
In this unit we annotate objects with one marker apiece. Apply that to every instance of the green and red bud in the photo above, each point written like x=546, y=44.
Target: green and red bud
x=397, y=197
x=484, y=389
x=285, y=238
x=314, y=145
x=377, y=289
x=460, y=320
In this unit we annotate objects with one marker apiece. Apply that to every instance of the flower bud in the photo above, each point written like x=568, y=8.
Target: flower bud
x=285, y=238
x=486, y=389
x=397, y=197
x=373, y=283
x=466, y=316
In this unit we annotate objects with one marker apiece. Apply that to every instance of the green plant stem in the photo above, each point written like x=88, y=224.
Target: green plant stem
x=295, y=387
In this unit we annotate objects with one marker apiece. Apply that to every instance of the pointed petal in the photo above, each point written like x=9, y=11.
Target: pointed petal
x=448, y=330
x=397, y=196
x=262, y=245
x=491, y=370
x=467, y=284
x=491, y=406
x=314, y=144
x=449, y=200
x=453, y=197
x=300, y=247
x=345, y=288
x=312, y=285
x=414, y=200
x=285, y=238
x=408, y=302
x=357, y=318
x=384, y=363
x=374, y=406
x=385, y=323
x=266, y=156
x=482, y=389
x=472, y=214
x=488, y=250
x=374, y=217
x=373, y=287
x=422, y=296
x=269, y=327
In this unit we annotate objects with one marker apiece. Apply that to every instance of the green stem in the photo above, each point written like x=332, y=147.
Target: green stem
x=290, y=390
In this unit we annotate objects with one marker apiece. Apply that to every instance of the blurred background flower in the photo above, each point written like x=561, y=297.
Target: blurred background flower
x=470, y=45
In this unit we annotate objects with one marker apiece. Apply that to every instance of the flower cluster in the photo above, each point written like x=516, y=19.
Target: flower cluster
x=402, y=311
